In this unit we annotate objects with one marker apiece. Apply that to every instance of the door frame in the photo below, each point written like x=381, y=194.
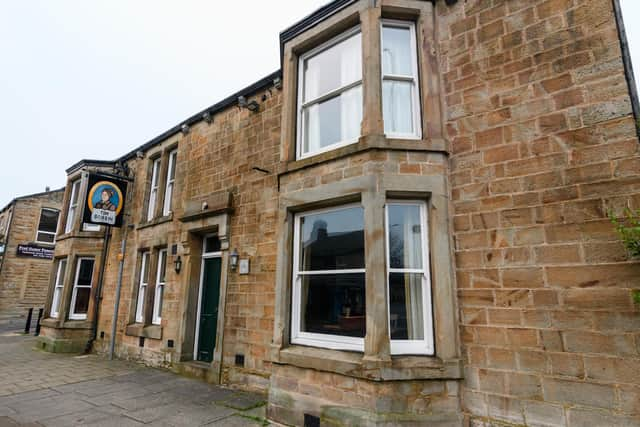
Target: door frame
x=205, y=256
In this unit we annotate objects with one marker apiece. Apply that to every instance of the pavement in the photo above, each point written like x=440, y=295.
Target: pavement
x=45, y=389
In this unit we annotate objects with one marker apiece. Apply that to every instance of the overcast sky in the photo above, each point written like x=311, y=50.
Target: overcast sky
x=95, y=79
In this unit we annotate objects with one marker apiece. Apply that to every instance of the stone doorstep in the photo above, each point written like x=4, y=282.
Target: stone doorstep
x=194, y=369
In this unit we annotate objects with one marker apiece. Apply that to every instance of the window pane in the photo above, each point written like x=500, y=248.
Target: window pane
x=75, y=189
x=397, y=100
x=333, y=304
x=45, y=238
x=162, y=266
x=160, y=297
x=172, y=165
x=48, y=221
x=85, y=273
x=333, y=68
x=212, y=244
x=140, y=304
x=70, y=218
x=145, y=267
x=406, y=313
x=334, y=120
x=155, y=173
x=62, y=268
x=405, y=237
x=396, y=51
x=82, y=301
x=332, y=240
x=56, y=301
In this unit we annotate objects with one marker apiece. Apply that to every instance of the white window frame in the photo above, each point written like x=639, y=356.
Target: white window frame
x=49, y=233
x=142, y=286
x=156, y=318
x=168, y=190
x=415, y=79
x=56, y=299
x=205, y=255
x=425, y=346
x=73, y=207
x=72, y=314
x=334, y=342
x=333, y=93
x=153, y=193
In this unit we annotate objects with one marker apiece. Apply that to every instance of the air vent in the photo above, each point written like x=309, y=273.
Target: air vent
x=141, y=342
x=101, y=335
x=170, y=343
x=240, y=360
x=311, y=420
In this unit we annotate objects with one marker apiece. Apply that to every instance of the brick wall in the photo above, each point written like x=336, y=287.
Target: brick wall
x=543, y=146
x=24, y=281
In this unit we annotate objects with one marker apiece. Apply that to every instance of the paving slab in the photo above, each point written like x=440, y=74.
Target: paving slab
x=53, y=390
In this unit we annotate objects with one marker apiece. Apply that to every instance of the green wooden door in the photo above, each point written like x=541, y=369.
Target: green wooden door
x=209, y=309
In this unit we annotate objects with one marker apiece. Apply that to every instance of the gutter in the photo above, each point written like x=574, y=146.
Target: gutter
x=628, y=66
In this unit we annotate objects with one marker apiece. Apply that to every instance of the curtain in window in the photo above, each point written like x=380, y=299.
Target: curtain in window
x=351, y=100
x=413, y=282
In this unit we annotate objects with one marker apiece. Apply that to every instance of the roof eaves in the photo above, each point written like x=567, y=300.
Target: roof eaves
x=310, y=21
x=215, y=108
x=27, y=196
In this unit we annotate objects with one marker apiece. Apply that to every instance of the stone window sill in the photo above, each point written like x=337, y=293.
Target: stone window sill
x=52, y=322
x=355, y=365
x=155, y=221
x=366, y=143
x=148, y=331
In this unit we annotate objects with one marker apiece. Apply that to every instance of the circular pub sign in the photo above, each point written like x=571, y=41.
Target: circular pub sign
x=105, y=202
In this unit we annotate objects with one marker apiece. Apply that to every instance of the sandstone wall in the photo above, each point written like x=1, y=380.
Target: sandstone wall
x=543, y=146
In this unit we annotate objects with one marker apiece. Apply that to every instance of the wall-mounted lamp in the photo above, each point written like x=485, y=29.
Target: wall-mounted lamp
x=184, y=129
x=233, y=259
x=207, y=117
x=251, y=106
x=277, y=83
x=177, y=264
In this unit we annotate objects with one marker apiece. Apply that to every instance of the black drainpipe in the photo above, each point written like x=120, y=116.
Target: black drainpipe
x=98, y=295
x=628, y=66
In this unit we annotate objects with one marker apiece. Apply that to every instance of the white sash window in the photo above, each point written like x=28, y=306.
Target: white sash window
x=330, y=95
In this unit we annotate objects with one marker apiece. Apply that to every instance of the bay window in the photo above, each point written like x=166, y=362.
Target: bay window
x=153, y=193
x=329, y=276
x=330, y=100
x=142, y=286
x=400, y=88
x=57, y=287
x=47, y=226
x=81, y=289
x=160, y=283
x=408, y=281
x=329, y=279
x=171, y=178
x=330, y=94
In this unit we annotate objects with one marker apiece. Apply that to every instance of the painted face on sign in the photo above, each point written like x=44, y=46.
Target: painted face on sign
x=105, y=196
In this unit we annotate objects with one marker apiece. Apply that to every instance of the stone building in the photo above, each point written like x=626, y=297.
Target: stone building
x=405, y=224
x=28, y=226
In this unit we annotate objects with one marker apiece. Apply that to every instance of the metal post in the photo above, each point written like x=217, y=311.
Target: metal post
x=38, y=322
x=116, y=305
x=27, y=327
